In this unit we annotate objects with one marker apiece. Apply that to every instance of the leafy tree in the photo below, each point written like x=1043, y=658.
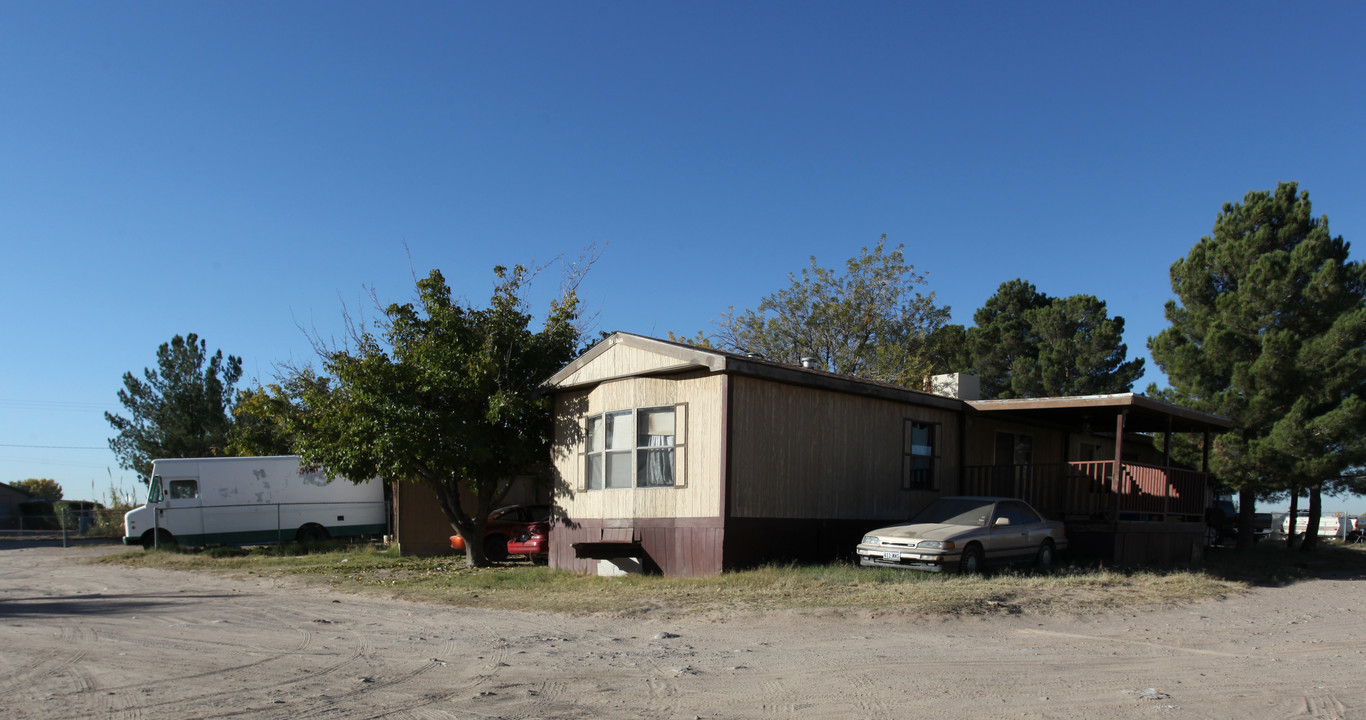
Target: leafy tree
x=40, y=488
x=699, y=340
x=262, y=416
x=1269, y=329
x=440, y=394
x=870, y=322
x=1026, y=344
x=947, y=349
x=178, y=410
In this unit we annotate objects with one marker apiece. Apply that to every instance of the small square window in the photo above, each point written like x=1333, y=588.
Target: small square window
x=184, y=489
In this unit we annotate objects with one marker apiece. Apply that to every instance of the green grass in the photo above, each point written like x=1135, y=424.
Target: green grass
x=838, y=587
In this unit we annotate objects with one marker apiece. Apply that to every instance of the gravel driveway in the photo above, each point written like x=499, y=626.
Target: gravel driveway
x=79, y=640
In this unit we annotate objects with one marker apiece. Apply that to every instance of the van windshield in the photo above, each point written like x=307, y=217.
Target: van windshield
x=154, y=489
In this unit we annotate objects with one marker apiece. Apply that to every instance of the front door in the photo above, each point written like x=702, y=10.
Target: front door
x=183, y=513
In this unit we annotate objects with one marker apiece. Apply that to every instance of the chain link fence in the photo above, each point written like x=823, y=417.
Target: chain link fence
x=63, y=519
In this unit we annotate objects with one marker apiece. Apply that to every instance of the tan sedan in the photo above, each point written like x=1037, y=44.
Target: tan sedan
x=965, y=533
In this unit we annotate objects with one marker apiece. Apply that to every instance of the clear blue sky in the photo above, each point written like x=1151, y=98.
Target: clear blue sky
x=243, y=169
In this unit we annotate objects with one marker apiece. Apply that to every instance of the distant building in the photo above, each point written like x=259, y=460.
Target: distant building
x=10, y=499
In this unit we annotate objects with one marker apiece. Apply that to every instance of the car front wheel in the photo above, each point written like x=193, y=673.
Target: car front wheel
x=971, y=564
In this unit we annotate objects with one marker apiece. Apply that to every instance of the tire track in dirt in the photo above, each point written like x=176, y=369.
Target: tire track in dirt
x=1325, y=706
x=865, y=693
x=71, y=643
x=247, y=672
x=400, y=698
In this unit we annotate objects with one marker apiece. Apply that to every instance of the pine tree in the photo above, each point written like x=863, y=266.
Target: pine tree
x=1269, y=330
x=1026, y=344
x=181, y=409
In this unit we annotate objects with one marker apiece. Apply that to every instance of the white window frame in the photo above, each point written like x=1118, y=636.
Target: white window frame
x=634, y=453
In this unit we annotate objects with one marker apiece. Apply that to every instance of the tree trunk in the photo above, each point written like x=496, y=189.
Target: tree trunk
x=1247, y=506
x=1311, y=533
x=469, y=527
x=1291, y=524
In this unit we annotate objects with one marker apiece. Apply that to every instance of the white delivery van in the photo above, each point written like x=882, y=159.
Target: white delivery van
x=251, y=501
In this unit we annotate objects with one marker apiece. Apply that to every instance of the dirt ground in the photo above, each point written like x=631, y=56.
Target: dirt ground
x=93, y=641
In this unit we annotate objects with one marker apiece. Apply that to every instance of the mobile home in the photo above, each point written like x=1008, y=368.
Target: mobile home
x=692, y=461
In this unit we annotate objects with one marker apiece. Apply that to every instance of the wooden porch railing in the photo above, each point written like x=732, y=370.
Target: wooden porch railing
x=1088, y=489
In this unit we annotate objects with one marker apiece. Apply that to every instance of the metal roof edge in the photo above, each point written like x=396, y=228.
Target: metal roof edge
x=689, y=357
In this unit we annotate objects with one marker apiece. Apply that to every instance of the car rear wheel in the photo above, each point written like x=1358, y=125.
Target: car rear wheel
x=1045, y=557
x=312, y=533
x=971, y=564
x=496, y=548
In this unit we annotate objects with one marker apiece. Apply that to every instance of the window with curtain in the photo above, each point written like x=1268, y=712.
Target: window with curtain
x=631, y=448
x=655, y=447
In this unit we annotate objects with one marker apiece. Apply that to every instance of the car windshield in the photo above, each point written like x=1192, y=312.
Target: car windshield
x=956, y=511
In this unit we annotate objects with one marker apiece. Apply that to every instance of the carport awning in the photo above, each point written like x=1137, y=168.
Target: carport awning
x=1142, y=413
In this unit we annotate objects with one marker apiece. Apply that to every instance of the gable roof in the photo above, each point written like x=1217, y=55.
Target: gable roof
x=14, y=492
x=623, y=355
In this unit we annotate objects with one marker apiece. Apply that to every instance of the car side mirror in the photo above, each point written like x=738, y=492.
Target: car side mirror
x=1001, y=521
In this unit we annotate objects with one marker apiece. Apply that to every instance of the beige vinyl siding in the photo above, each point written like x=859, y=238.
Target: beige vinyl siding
x=698, y=400
x=800, y=452
x=622, y=360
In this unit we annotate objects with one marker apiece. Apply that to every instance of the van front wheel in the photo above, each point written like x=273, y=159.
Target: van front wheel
x=163, y=539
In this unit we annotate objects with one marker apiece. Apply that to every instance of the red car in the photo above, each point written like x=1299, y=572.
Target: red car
x=514, y=530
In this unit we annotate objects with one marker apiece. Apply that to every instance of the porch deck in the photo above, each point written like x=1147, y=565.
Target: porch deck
x=1149, y=514
x=1089, y=491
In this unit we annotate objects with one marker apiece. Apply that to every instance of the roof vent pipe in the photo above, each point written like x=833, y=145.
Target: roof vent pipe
x=811, y=363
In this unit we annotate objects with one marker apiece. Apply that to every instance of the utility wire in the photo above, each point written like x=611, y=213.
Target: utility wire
x=51, y=404
x=55, y=447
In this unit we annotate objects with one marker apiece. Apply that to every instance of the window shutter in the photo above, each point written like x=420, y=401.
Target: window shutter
x=580, y=477
x=680, y=424
x=680, y=450
x=938, y=454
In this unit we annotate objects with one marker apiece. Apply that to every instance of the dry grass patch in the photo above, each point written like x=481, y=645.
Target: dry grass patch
x=524, y=587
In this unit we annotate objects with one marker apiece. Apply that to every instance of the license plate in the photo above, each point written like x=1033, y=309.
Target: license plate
x=891, y=555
